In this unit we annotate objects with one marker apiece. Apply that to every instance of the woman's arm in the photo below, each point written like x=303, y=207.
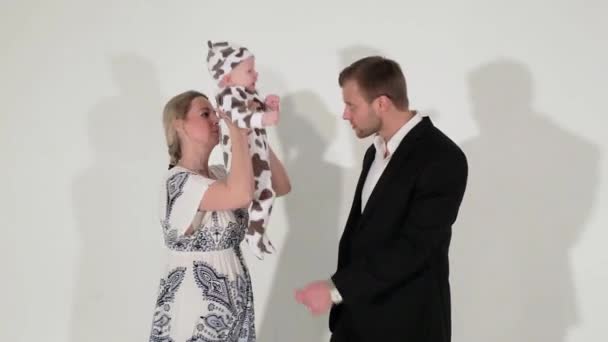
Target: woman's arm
x=236, y=191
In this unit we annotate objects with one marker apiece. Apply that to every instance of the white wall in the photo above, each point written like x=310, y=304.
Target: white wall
x=517, y=84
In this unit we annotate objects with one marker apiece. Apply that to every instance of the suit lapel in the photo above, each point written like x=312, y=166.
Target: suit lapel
x=394, y=166
x=355, y=210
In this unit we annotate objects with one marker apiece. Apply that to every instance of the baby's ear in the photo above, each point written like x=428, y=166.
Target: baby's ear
x=225, y=79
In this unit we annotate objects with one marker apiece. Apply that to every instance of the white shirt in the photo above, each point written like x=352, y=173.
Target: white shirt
x=380, y=162
x=375, y=171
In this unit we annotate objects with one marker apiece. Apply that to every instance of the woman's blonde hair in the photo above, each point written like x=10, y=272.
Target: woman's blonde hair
x=177, y=108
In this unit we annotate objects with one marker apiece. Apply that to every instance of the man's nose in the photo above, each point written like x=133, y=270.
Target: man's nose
x=346, y=115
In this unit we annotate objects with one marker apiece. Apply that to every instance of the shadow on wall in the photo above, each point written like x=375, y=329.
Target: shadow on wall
x=115, y=200
x=531, y=187
x=323, y=158
x=308, y=250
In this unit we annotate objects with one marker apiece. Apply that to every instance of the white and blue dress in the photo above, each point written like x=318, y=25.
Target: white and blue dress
x=205, y=294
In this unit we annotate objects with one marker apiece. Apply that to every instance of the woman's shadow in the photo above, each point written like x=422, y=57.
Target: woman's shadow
x=531, y=187
x=115, y=202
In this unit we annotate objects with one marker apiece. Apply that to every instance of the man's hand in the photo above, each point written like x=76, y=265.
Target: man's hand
x=273, y=103
x=316, y=296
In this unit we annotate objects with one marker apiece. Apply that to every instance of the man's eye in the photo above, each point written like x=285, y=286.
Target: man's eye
x=205, y=113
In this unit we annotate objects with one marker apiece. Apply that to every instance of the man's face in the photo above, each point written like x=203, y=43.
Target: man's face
x=362, y=117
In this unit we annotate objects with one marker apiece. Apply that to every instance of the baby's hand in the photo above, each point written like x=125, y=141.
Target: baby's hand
x=270, y=118
x=272, y=102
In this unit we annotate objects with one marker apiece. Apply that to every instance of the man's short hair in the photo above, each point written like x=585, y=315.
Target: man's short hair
x=377, y=76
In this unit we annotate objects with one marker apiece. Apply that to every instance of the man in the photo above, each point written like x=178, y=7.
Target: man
x=391, y=282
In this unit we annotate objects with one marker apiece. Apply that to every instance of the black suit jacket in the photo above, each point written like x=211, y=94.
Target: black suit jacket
x=393, y=258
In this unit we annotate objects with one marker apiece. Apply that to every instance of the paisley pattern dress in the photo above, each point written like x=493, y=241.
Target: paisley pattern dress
x=205, y=294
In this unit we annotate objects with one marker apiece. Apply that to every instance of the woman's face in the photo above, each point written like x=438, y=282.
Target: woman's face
x=200, y=127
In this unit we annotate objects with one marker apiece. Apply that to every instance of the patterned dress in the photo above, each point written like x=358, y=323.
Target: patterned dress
x=205, y=293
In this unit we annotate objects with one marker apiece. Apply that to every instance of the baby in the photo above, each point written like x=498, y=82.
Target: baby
x=233, y=69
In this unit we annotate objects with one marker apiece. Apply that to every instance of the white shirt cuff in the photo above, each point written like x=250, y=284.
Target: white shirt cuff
x=336, y=298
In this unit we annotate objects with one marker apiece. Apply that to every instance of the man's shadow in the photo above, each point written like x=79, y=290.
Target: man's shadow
x=115, y=201
x=531, y=187
x=308, y=250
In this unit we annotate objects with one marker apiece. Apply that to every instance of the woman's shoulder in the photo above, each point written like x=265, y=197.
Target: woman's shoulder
x=178, y=170
x=217, y=171
x=178, y=175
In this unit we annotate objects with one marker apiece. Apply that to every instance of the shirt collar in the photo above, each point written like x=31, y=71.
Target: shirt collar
x=396, y=139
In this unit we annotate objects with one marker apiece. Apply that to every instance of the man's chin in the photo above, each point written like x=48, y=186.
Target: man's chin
x=362, y=134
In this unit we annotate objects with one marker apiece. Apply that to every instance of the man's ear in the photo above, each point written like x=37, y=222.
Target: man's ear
x=384, y=103
x=381, y=104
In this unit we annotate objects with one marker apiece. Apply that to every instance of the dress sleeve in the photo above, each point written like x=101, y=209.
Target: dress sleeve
x=183, y=194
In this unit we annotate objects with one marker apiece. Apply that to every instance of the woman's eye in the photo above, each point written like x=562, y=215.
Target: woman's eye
x=205, y=113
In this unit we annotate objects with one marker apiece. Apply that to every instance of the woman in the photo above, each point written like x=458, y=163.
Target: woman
x=205, y=294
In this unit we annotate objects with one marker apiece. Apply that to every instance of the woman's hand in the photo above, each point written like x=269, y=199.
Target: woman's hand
x=231, y=125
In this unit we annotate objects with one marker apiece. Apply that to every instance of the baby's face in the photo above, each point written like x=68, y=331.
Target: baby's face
x=245, y=74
